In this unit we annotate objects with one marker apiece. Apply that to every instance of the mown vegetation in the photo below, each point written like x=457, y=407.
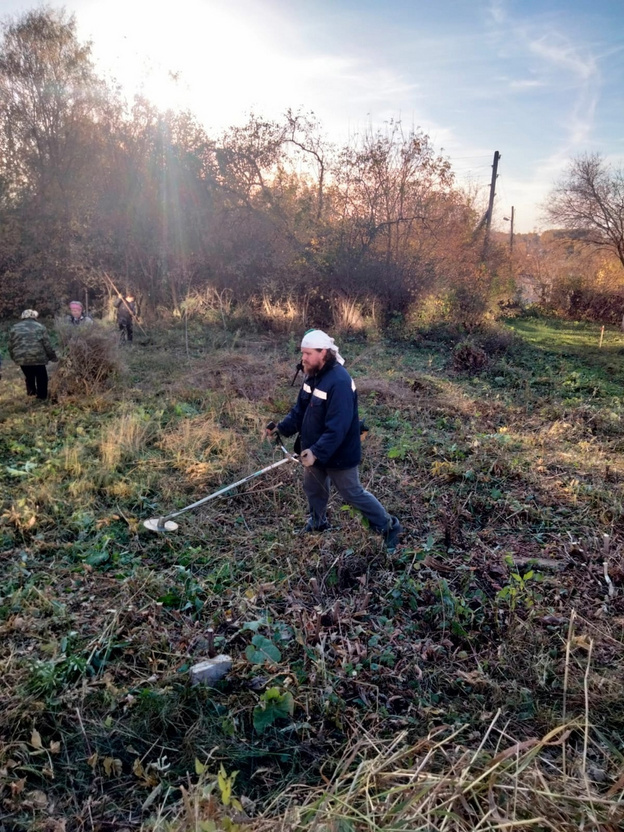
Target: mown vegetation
x=472, y=680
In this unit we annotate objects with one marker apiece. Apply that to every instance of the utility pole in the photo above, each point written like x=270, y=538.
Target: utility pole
x=511, y=231
x=490, y=210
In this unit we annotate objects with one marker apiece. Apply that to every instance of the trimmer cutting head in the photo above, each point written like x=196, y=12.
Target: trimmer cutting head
x=159, y=524
x=162, y=524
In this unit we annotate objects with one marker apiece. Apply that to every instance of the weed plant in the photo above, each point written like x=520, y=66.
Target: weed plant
x=471, y=680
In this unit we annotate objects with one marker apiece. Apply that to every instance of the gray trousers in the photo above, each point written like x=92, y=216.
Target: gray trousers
x=316, y=481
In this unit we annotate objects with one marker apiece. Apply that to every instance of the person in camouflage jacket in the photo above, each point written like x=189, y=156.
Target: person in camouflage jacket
x=30, y=347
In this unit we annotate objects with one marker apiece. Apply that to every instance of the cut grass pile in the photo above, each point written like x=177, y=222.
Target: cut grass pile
x=473, y=680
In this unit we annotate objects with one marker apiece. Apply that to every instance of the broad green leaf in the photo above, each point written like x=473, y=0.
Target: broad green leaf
x=273, y=705
x=15, y=472
x=96, y=558
x=262, y=650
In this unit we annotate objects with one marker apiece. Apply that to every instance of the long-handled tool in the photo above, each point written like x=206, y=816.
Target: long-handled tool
x=130, y=312
x=166, y=524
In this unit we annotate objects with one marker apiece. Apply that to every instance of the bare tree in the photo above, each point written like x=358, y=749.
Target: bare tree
x=590, y=200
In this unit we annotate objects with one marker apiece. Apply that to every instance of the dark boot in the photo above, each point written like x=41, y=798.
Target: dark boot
x=315, y=528
x=392, y=534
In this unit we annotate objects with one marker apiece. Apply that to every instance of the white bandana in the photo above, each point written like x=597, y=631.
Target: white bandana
x=316, y=339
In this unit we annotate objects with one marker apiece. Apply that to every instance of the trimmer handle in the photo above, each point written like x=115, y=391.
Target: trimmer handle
x=272, y=432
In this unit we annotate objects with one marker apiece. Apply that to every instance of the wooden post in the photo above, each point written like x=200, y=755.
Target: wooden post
x=490, y=210
x=601, y=336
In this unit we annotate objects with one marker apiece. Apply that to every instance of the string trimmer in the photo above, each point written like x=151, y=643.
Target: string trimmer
x=166, y=524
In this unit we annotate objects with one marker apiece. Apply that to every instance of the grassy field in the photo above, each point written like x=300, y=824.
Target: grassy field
x=472, y=680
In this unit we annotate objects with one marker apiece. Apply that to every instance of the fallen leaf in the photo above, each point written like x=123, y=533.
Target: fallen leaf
x=518, y=748
x=112, y=766
x=37, y=799
x=137, y=769
x=17, y=787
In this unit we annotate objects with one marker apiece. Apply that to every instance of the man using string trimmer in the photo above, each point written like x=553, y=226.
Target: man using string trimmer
x=326, y=418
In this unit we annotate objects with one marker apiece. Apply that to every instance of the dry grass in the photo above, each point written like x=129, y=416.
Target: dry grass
x=283, y=314
x=252, y=375
x=354, y=315
x=125, y=437
x=201, y=449
x=435, y=785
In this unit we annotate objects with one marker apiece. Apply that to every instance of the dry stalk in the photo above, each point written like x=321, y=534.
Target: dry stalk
x=566, y=674
x=586, y=733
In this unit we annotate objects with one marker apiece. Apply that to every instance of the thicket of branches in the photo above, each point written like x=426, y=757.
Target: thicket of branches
x=564, y=274
x=267, y=210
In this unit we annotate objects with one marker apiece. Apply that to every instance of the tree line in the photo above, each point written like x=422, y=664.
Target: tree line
x=90, y=185
x=272, y=210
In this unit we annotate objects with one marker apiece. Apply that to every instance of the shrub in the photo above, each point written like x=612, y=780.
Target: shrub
x=496, y=339
x=90, y=361
x=468, y=357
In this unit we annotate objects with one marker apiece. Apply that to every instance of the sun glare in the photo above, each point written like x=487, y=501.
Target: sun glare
x=222, y=60
x=191, y=54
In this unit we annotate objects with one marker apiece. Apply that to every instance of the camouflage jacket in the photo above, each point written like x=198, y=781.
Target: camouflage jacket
x=29, y=343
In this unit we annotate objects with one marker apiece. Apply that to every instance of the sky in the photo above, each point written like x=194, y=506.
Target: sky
x=541, y=81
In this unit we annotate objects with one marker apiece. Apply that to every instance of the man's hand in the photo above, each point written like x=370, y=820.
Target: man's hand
x=307, y=458
x=271, y=430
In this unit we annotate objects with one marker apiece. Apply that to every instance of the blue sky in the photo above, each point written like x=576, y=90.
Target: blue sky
x=541, y=81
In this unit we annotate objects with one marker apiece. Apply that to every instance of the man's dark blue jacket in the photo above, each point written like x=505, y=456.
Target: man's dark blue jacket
x=326, y=417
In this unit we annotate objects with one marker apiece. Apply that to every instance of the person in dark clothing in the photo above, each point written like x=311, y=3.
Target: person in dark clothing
x=126, y=313
x=30, y=347
x=327, y=420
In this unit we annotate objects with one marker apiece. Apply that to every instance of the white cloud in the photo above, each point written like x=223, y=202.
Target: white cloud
x=563, y=55
x=582, y=71
x=526, y=84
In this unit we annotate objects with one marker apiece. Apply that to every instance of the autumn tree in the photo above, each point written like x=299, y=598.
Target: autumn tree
x=53, y=112
x=154, y=206
x=397, y=215
x=268, y=204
